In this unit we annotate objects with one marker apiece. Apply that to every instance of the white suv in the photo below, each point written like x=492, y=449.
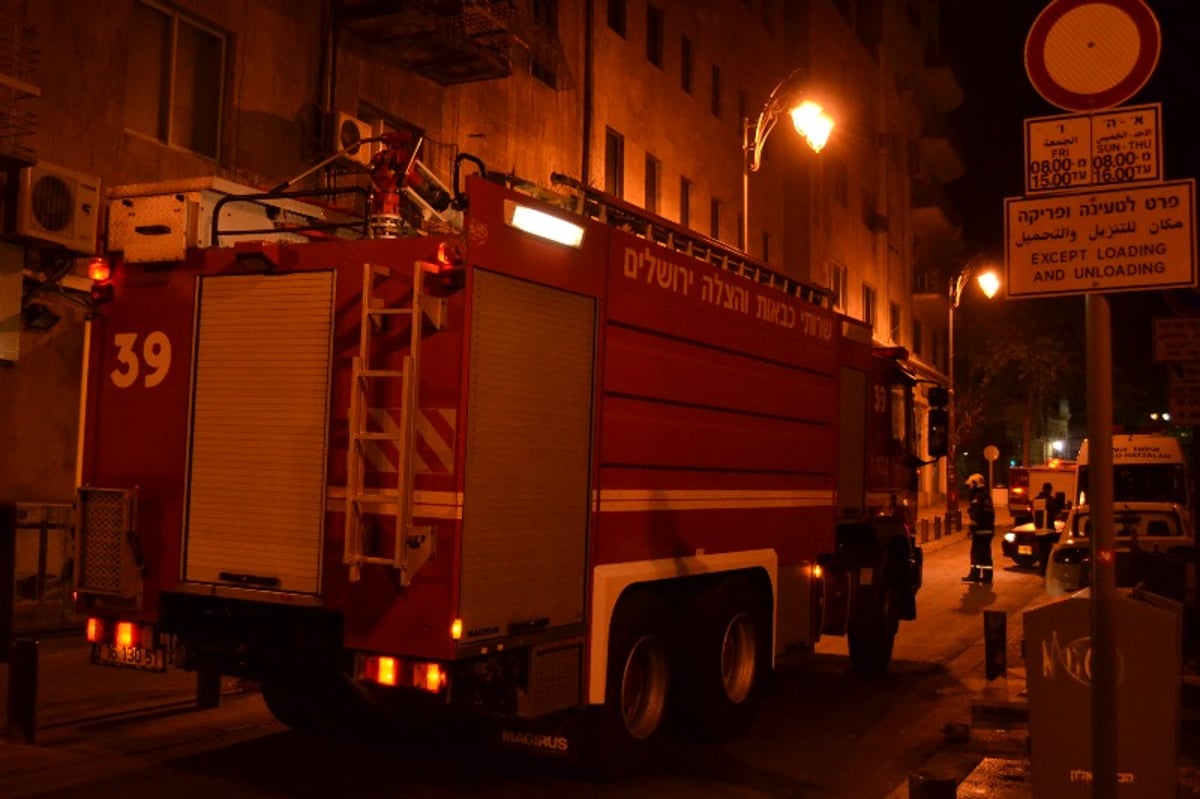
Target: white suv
x=1146, y=526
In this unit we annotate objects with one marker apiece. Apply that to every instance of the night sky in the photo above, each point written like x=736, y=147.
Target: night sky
x=985, y=42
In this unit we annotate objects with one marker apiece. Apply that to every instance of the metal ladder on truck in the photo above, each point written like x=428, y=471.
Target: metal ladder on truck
x=412, y=546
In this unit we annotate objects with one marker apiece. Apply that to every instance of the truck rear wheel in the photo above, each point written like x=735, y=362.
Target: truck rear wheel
x=871, y=647
x=726, y=652
x=312, y=698
x=638, y=682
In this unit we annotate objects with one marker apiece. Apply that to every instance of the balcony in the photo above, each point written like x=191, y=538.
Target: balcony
x=458, y=41
x=933, y=214
x=941, y=89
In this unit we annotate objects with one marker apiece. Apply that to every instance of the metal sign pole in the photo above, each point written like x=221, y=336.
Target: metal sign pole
x=1104, y=592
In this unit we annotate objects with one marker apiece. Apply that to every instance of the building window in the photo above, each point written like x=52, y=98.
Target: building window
x=654, y=35
x=714, y=218
x=837, y=285
x=716, y=90
x=653, y=168
x=918, y=342
x=766, y=256
x=868, y=306
x=685, y=201
x=175, y=79
x=685, y=64
x=616, y=16
x=546, y=14
x=614, y=163
x=894, y=322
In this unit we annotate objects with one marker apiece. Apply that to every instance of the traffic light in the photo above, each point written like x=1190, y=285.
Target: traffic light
x=937, y=436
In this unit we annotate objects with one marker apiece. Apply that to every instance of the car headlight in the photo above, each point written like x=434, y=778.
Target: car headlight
x=1010, y=536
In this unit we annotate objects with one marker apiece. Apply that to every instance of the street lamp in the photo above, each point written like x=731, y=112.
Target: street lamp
x=809, y=118
x=989, y=283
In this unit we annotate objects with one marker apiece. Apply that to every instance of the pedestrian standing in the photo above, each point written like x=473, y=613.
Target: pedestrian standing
x=1046, y=507
x=981, y=530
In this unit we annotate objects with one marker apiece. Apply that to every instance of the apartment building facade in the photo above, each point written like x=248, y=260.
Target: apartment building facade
x=646, y=99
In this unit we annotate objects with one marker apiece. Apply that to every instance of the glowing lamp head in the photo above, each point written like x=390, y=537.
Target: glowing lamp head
x=813, y=123
x=989, y=283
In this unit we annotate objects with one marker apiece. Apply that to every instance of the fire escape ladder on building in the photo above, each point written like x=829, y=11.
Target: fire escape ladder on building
x=367, y=506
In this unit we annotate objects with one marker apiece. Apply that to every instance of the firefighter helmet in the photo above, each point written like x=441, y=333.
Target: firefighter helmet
x=975, y=481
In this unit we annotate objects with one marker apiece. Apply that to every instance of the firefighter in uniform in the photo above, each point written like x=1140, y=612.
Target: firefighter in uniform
x=983, y=527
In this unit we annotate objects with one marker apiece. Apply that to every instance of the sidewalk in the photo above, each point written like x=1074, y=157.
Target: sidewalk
x=989, y=755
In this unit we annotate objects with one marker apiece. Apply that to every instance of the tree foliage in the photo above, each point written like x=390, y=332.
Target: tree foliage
x=1014, y=366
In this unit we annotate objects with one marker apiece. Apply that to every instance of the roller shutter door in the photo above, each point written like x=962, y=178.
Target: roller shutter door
x=260, y=409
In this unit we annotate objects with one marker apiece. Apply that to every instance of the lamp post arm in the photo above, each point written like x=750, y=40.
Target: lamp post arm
x=956, y=288
x=774, y=106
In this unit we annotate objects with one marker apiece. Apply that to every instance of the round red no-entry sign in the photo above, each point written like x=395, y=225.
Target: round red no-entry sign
x=1086, y=55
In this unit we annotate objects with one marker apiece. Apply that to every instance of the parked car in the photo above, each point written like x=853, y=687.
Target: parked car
x=1146, y=526
x=1028, y=546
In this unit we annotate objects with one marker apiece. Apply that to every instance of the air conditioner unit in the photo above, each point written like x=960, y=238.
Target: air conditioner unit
x=58, y=206
x=349, y=129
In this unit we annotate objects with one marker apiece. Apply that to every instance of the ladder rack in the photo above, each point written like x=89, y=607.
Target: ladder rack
x=610, y=210
x=413, y=545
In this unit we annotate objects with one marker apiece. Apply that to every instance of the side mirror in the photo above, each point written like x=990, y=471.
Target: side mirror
x=937, y=436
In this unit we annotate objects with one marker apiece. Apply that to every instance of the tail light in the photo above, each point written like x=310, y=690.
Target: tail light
x=392, y=671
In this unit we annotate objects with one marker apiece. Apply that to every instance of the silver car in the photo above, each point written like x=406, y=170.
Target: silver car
x=1155, y=527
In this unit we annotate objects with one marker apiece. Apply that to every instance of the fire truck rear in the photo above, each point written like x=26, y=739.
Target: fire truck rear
x=571, y=485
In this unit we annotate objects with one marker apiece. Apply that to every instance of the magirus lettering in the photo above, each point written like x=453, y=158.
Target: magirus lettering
x=535, y=740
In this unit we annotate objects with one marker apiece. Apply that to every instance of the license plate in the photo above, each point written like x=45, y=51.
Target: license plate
x=129, y=657
x=1024, y=550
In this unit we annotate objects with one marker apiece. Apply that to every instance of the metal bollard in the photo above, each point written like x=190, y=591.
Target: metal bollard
x=926, y=785
x=995, y=643
x=22, y=692
x=937, y=527
x=924, y=531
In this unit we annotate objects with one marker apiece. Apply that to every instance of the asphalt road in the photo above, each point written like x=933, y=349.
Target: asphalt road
x=823, y=731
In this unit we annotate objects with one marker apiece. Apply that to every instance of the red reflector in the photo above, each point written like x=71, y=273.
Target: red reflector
x=99, y=270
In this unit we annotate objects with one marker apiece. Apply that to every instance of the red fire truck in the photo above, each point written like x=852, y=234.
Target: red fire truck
x=569, y=486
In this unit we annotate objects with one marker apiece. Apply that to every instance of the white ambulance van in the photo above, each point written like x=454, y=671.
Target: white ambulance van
x=1146, y=468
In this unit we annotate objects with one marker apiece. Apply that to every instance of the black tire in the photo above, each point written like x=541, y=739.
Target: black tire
x=871, y=647
x=727, y=651
x=313, y=699
x=288, y=702
x=637, y=686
